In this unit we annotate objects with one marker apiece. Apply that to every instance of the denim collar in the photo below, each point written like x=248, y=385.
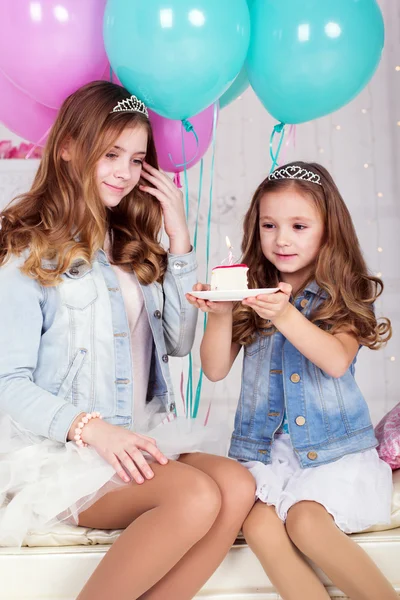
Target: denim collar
x=313, y=288
x=101, y=257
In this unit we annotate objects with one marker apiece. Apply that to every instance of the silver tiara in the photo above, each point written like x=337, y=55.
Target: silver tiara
x=295, y=172
x=131, y=104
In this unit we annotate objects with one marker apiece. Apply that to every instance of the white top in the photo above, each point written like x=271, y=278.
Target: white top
x=141, y=343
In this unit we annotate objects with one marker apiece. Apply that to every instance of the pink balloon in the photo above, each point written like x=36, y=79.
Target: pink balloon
x=22, y=115
x=50, y=48
x=168, y=140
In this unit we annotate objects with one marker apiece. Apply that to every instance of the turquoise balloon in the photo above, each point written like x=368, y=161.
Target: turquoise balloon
x=240, y=84
x=308, y=58
x=178, y=56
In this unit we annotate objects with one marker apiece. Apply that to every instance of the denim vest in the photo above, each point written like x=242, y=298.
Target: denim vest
x=66, y=349
x=327, y=417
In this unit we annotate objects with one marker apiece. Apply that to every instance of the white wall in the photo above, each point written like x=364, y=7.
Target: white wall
x=363, y=133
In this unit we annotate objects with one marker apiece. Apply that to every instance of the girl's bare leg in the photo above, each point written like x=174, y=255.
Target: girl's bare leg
x=237, y=488
x=312, y=529
x=286, y=568
x=163, y=518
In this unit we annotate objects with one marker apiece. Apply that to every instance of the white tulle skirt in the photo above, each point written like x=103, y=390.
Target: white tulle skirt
x=43, y=482
x=356, y=489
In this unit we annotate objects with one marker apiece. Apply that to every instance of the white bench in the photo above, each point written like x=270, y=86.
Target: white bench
x=56, y=565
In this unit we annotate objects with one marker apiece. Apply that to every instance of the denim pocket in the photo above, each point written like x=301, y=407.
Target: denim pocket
x=72, y=372
x=257, y=345
x=78, y=294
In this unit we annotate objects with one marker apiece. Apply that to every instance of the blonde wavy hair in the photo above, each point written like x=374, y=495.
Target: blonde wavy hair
x=44, y=222
x=340, y=269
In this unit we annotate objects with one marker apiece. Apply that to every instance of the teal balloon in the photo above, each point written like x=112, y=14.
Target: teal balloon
x=308, y=58
x=240, y=84
x=178, y=56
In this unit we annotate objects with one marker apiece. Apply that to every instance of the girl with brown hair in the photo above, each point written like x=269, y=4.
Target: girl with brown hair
x=91, y=308
x=302, y=426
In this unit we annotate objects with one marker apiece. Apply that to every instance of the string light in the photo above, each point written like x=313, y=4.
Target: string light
x=398, y=68
x=325, y=147
x=377, y=205
x=398, y=123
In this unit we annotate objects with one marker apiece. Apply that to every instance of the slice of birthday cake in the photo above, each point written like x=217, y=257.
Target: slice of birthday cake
x=229, y=277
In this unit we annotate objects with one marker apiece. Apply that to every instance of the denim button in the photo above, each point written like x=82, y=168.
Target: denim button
x=300, y=421
x=304, y=303
x=295, y=378
x=74, y=271
x=179, y=264
x=312, y=455
x=165, y=358
x=157, y=314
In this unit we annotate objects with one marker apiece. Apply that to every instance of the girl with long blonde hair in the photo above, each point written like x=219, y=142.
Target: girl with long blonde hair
x=91, y=308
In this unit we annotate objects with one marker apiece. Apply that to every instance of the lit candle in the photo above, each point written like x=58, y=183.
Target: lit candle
x=230, y=255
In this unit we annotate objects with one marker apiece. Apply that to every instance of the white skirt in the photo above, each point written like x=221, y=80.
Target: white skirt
x=43, y=482
x=356, y=489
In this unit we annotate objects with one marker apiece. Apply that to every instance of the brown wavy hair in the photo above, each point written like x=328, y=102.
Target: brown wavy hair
x=44, y=221
x=340, y=269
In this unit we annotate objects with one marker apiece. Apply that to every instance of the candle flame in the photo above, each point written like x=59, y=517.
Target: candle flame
x=228, y=243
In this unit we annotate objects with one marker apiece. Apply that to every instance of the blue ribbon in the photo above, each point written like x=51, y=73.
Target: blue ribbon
x=189, y=388
x=210, y=204
x=279, y=128
x=189, y=129
x=191, y=409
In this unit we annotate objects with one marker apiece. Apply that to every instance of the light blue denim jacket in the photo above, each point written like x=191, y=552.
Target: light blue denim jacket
x=66, y=349
x=327, y=417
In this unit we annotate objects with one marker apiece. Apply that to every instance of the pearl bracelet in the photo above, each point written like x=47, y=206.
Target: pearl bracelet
x=84, y=421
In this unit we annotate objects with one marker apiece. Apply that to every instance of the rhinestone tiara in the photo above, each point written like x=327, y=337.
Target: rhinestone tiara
x=295, y=172
x=132, y=104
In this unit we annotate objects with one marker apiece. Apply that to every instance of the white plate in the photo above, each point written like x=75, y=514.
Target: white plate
x=231, y=295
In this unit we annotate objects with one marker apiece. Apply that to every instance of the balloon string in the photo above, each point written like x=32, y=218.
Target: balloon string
x=188, y=403
x=182, y=382
x=208, y=243
x=189, y=385
x=44, y=136
x=189, y=129
x=291, y=137
x=279, y=128
x=198, y=203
